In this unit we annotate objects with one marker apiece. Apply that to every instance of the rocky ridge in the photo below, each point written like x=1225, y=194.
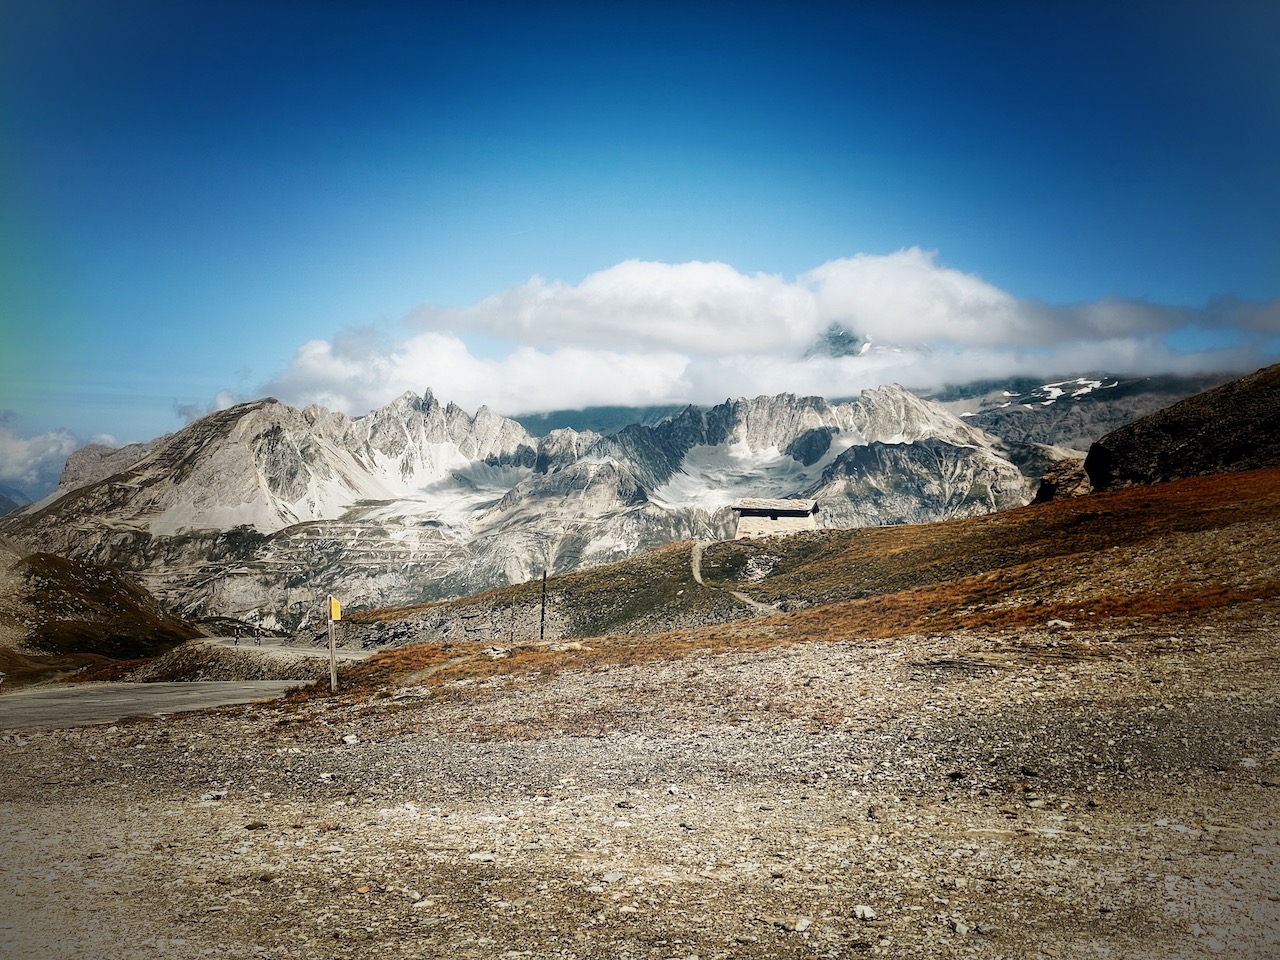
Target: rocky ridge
x=1233, y=427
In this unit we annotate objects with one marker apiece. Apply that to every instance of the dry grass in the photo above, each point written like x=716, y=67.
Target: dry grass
x=856, y=564
x=1104, y=558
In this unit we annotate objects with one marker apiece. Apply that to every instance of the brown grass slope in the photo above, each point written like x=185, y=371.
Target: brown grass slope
x=1164, y=551
x=652, y=592
x=74, y=614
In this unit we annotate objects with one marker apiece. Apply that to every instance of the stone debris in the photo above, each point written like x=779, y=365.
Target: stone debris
x=628, y=812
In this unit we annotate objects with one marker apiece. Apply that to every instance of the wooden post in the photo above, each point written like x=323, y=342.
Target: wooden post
x=333, y=651
x=542, y=626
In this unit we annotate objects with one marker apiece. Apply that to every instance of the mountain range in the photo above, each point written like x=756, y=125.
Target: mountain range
x=1072, y=412
x=260, y=510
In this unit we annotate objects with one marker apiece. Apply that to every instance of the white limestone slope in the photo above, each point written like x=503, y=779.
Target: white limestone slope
x=268, y=466
x=760, y=456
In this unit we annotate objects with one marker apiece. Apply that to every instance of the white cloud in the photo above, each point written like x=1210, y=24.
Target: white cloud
x=699, y=308
x=32, y=465
x=641, y=333
x=194, y=411
x=906, y=298
x=525, y=380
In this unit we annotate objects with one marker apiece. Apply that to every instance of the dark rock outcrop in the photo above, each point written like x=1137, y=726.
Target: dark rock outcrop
x=1233, y=427
x=1063, y=480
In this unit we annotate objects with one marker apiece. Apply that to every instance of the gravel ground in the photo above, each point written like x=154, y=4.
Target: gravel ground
x=1061, y=792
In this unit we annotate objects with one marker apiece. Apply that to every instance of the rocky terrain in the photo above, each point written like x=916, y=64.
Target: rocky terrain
x=1072, y=412
x=1049, y=732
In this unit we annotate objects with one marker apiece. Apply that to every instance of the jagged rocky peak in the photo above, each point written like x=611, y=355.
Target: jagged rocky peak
x=562, y=447
x=313, y=413
x=893, y=414
x=776, y=422
x=493, y=436
x=410, y=402
x=800, y=426
x=412, y=431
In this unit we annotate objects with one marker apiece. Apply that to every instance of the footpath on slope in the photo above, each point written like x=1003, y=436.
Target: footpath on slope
x=695, y=561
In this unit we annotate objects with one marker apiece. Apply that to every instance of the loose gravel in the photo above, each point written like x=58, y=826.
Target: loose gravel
x=1062, y=792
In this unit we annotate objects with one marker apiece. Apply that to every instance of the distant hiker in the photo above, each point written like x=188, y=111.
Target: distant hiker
x=257, y=636
x=236, y=642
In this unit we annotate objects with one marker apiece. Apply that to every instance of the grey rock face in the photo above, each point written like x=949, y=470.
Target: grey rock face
x=885, y=483
x=94, y=462
x=1066, y=479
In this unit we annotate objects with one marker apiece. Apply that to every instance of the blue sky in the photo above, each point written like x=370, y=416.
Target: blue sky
x=544, y=205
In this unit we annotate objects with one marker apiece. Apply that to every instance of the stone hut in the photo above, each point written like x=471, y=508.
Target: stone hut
x=758, y=517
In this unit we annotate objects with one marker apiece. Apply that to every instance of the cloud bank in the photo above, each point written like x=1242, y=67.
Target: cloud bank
x=31, y=466
x=648, y=333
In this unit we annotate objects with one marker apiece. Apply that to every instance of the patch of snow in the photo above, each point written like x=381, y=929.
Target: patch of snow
x=1086, y=386
x=1081, y=385
x=712, y=477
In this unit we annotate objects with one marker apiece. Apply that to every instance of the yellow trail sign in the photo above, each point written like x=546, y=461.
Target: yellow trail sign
x=335, y=609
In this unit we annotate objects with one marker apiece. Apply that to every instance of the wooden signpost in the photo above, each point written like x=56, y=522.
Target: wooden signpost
x=335, y=614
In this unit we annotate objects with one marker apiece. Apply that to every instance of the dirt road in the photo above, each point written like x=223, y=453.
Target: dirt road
x=68, y=705
x=274, y=647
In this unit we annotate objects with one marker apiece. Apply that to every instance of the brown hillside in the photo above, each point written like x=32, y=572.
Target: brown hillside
x=1174, y=549
x=63, y=614
x=1233, y=427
